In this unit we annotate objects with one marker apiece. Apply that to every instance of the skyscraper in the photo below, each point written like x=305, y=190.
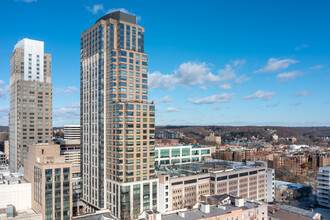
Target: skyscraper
x=117, y=122
x=30, y=117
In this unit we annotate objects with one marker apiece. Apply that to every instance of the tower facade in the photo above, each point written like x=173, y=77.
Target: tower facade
x=117, y=122
x=30, y=117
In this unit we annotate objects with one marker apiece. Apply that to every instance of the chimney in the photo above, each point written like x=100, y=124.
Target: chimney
x=181, y=214
x=239, y=202
x=205, y=208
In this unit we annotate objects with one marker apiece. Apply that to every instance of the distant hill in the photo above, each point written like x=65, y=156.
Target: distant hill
x=307, y=135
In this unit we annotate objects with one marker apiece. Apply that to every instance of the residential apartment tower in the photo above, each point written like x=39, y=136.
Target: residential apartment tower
x=30, y=117
x=117, y=122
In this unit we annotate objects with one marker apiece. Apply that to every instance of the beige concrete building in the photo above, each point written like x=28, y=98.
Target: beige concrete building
x=30, y=118
x=213, y=139
x=51, y=180
x=183, y=186
x=117, y=122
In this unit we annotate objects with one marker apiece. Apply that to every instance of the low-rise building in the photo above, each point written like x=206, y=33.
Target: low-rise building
x=222, y=207
x=286, y=192
x=180, y=154
x=182, y=186
x=287, y=212
x=51, y=181
x=72, y=132
x=15, y=191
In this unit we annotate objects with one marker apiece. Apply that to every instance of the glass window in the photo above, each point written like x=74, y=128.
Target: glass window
x=185, y=151
x=164, y=153
x=175, y=152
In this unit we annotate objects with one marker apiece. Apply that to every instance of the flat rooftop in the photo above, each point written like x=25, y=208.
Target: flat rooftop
x=214, y=211
x=215, y=166
x=180, y=145
x=281, y=184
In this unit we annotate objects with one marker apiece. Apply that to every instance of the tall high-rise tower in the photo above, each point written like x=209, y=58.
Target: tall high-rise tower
x=117, y=122
x=30, y=117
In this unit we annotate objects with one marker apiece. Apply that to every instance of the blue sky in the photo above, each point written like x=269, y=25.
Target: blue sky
x=210, y=62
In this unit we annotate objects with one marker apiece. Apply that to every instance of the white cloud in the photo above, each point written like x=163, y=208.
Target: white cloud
x=159, y=81
x=4, y=91
x=301, y=46
x=296, y=103
x=172, y=110
x=211, y=78
x=303, y=93
x=274, y=65
x=191, y=73
x=4, y=111
x=317, y=67
x=95, y=9
x=261, y=95
x=239, y=63
x=26, y=1
x=225, y=97
x=165, y=99
x=228, y=73
x=283, y=77
x=70, y=90
x=225, y=86
x=194, y=73
x=69, y=114
x=242, y=79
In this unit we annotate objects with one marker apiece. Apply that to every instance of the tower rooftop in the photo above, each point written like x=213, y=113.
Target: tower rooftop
x=119, y=15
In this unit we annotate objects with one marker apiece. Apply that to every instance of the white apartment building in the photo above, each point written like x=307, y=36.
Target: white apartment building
x=270, y=186
x=180, y=154
x=323, y=187
x=72, y=132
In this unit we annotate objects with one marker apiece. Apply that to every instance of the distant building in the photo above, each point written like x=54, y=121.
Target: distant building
x=294, y=162
x=179, y=154
x=285, y=192
x=51, y=181
x=292, y=140
x=167, y=135
x=222, y=207
x=275, y=138
x=72, y=132
x=14, y=190
x=182, y=186
x=70, y=149
x=287, y=212
x=323, y=187
x=213, y=139
x=4, y=147
x=270, y=188
x=320, y=160
x=167, y=141
x=3, y=159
